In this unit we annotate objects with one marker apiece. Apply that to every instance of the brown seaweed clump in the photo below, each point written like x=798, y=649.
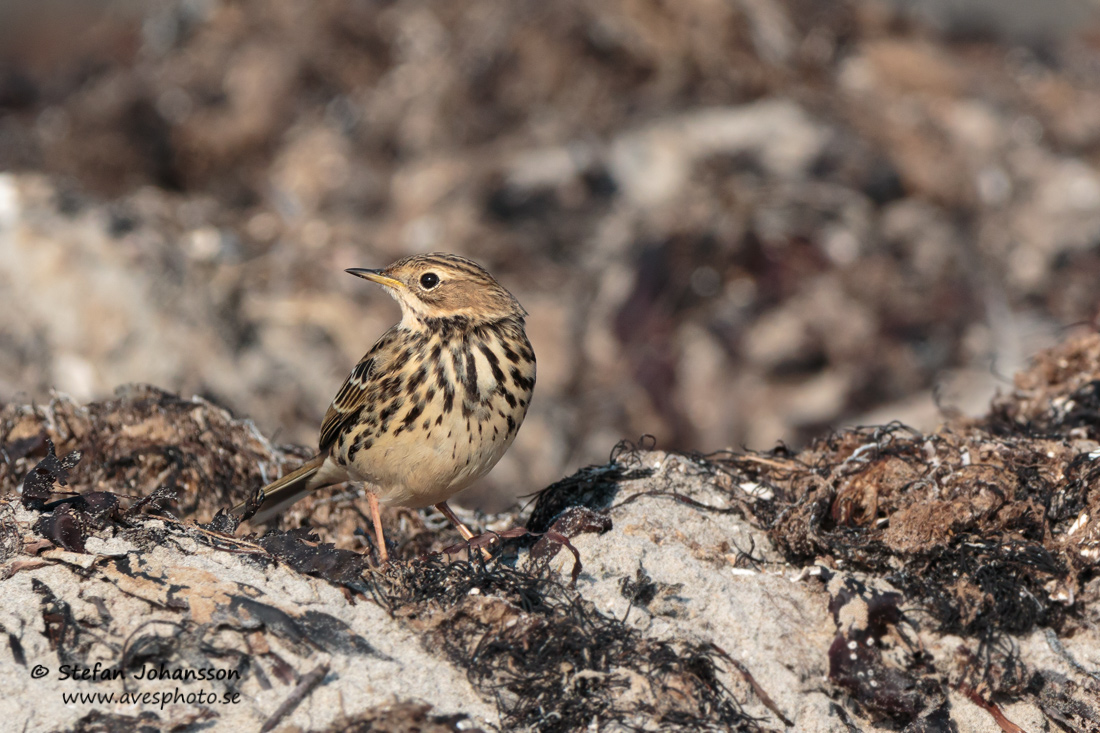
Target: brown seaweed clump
x=985, y=529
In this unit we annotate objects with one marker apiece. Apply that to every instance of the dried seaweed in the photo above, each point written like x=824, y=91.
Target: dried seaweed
x=868, y=624
x=553, y=662
x=403, y=717
x=11, y=541
x=977, y=585
x=309, y=681
x=38, y=485
x=917, y=509
x=594, y=487
x=63, y=527
x=141, y=441
x=304, y=552
x=641, y=591
x=98, y=721
x=67, y=637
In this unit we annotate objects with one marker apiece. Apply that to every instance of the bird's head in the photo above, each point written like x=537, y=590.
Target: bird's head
x=444, y=286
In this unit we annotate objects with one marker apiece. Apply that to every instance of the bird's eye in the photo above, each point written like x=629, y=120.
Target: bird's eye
x=429, y=280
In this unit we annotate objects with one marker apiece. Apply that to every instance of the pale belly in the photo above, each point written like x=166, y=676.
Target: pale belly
x=418, y=469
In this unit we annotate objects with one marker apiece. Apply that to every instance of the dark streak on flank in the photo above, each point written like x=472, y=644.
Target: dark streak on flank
x=409, y=419
x=390, y=387
x=417, y=379
x=521, y=381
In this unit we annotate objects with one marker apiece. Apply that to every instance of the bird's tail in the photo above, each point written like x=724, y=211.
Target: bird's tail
x=280, y=494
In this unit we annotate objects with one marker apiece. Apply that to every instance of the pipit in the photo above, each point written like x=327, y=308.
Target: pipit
x=436, y=401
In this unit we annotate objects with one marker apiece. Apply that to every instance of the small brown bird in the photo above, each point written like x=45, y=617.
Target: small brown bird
x=434, y=404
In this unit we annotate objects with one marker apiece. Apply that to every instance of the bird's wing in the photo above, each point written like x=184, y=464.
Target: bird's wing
x=352, y=396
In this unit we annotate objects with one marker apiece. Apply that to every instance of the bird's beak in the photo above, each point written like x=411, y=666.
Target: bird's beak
x=376, y=276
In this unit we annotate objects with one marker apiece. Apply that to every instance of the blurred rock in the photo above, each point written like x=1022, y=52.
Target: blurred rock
x=732, y=223
x=653, y=164
x=1025, y=21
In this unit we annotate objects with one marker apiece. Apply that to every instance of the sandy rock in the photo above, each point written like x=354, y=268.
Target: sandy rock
x=258, y=629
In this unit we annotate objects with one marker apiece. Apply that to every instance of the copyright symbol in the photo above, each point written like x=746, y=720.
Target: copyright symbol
x=38, y=672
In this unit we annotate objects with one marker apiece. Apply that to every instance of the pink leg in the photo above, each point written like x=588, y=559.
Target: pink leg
x=378, y=535
x=462, y=528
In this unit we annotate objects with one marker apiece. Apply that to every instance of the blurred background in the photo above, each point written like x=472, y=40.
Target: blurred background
x=734, y=222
